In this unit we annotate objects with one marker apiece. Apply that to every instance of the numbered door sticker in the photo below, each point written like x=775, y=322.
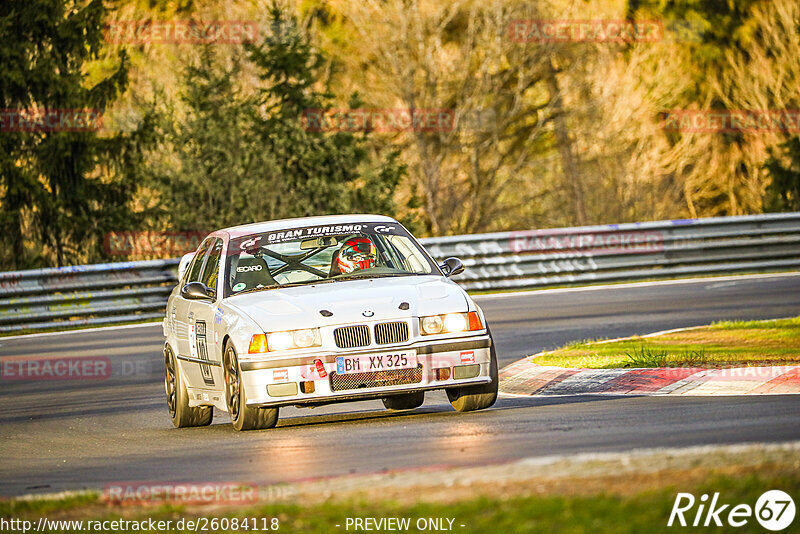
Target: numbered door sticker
x=199, y=349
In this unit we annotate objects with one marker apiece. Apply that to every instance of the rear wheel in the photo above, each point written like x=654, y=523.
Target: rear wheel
x=473, y=398
x=180, y=412
x=408, y=401
x=243, y=417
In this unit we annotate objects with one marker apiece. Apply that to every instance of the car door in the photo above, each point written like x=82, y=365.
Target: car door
x=203, y=338
x=180, y=306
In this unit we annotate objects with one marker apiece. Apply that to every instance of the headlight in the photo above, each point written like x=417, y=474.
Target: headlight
x=455, y=322
x=304, y=338
x=450, y=323
x=279, y=341
x=291, y=339
x=432, y=324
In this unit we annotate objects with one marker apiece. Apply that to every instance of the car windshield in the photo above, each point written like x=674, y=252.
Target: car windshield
x=307, y=255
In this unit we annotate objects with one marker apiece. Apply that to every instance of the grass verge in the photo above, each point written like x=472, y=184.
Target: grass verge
x=723, y=344
x=539, y=507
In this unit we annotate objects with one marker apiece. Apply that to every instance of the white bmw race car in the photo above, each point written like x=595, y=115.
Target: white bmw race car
x=313, y=311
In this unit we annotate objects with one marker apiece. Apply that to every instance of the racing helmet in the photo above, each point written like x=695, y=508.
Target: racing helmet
x=357, y=253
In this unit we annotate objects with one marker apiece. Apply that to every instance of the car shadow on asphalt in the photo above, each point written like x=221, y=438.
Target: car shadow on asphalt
x=510, y=402
x=443, y=409
x=358, y=416
x=105, y=403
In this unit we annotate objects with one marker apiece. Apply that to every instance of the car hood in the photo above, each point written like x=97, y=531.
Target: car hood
x=350, y=301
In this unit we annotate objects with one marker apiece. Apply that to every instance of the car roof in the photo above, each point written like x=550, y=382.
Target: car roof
x=299, y=222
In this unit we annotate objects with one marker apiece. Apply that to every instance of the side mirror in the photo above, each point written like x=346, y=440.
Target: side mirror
x=184, y=263
x=452, y=267
x=197, y=291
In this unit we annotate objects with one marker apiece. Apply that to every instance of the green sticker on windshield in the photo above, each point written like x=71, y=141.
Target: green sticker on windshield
x=239, y=286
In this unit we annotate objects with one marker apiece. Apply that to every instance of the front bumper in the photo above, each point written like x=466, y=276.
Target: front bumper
x=467, y=357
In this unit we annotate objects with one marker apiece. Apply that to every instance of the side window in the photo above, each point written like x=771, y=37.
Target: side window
x=193, y=273
x=211, y=270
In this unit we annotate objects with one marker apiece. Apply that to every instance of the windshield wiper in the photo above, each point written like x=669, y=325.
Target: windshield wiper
x=278, y=286
x=295, y=284
x=325, y=281
x=374, y=275
x=251, y=290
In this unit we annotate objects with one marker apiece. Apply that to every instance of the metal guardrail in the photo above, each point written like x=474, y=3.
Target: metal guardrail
x=623, y=252
x=120, y=292
x=47, y=299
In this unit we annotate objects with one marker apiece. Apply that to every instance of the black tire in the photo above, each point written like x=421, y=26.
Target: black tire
x=243, y=417
x=180, y=412
x=407, y=401
x=473, y=398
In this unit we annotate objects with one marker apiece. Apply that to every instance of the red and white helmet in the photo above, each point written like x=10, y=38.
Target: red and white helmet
x=357, y=253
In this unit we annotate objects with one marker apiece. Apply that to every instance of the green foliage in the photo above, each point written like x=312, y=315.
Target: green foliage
x=55, y=194
x=245, y=158
x=644, y=356
x=320, y=173
x=722, y=344
x=224, y=141
x=213, y=171
x=218, y=156
x=792, y=323
x=783, y=193
x=716, y=24
x=707, y=28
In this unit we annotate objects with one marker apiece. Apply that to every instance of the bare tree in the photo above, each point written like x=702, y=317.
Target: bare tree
x=458, y=56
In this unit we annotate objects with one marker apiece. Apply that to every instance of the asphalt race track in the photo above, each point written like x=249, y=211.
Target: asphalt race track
x=57, y=435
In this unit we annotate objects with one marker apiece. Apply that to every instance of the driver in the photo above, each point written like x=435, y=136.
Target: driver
x=357, y=253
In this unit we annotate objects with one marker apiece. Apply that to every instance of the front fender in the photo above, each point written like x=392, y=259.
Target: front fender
x=237, y=326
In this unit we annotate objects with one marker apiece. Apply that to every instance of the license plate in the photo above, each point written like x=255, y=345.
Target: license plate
x=370, y=363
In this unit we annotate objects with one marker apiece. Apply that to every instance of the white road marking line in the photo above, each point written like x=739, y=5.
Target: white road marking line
x=722, y=284
x=708, y=280
x=83, y=330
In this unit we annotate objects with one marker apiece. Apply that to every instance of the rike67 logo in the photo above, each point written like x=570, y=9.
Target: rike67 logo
x=774, y=510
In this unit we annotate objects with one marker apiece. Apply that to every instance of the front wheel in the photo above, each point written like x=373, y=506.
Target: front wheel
x=408, y=401
x=479, y=397
x=243, y=417
x=180, y=412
